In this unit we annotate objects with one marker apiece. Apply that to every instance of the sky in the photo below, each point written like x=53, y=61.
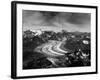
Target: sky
x=56, y=21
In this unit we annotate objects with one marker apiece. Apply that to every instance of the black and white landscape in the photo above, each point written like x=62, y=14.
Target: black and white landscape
x=56, y=39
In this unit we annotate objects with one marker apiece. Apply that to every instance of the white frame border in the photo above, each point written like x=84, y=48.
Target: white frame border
x=36, y=72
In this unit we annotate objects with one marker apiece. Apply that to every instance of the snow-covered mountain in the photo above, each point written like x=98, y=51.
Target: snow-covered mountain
x=37, y=32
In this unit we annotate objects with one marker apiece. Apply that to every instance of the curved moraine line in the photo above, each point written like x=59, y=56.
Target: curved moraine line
x=47, y=52
x=51, y=50
x=54, y=52
x=58, y=49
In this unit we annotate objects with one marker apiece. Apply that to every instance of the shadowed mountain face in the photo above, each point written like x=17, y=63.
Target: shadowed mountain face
x=56, y=21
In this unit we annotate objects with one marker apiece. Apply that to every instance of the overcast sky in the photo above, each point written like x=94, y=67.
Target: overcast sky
x=56, y=21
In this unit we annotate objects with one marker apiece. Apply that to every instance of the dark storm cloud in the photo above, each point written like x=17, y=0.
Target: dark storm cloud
x=49, y=17
x=78, y=18
x=32, y=18
x=38, y=18
x=74, y=18
x=57, y=19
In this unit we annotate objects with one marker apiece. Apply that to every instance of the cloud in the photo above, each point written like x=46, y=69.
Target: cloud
x=32, y=18
x=79, y=18
x=66, y=20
